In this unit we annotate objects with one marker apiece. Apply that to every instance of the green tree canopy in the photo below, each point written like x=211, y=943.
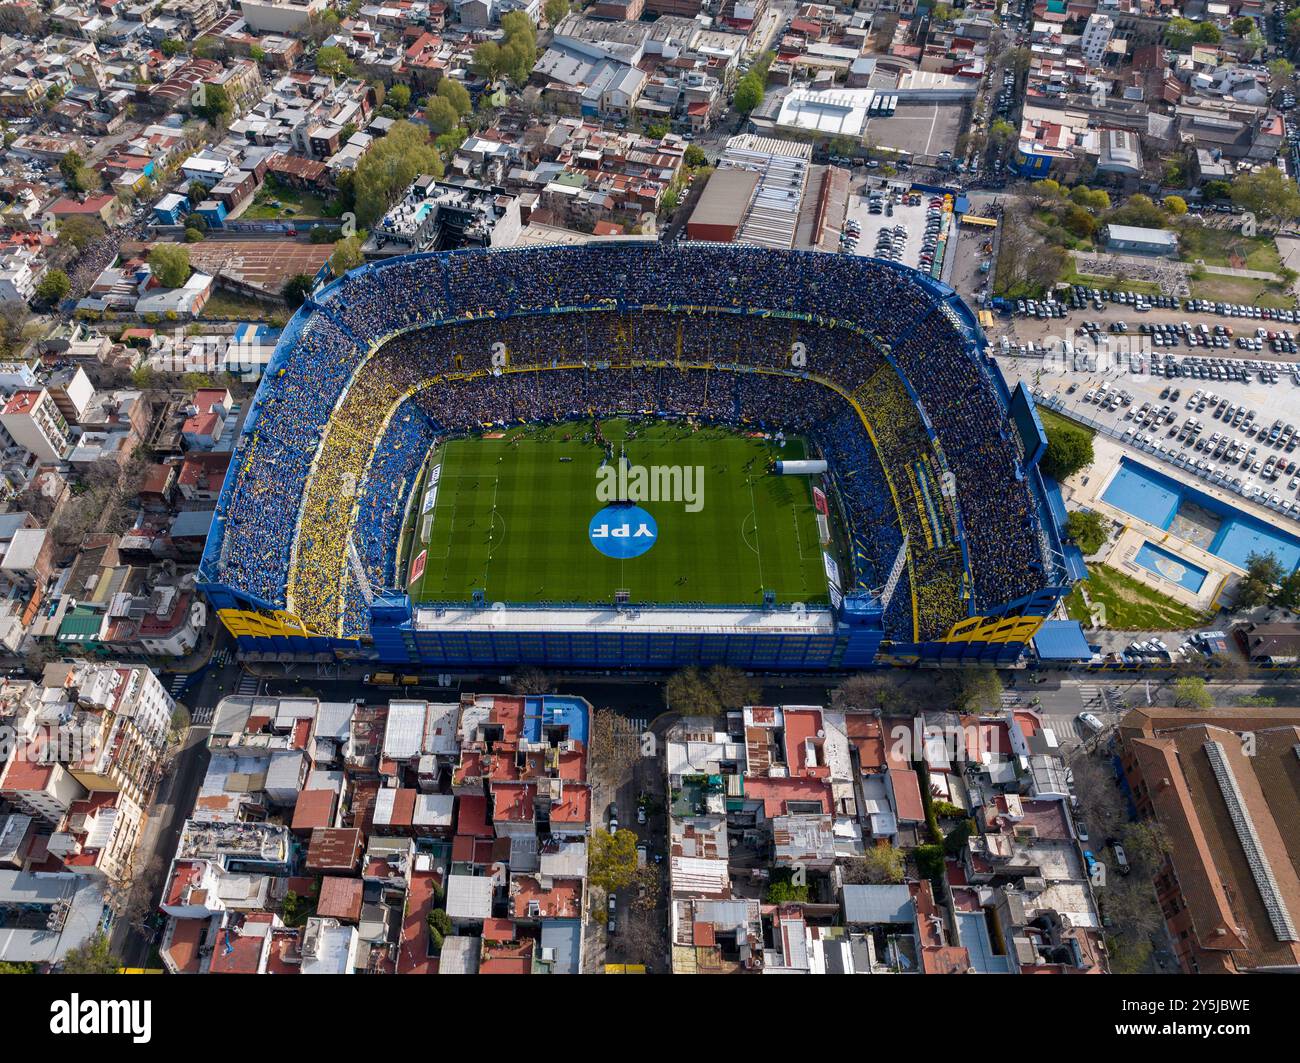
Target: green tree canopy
x=214, y=104
x=441, y=115
x=1267, y=193
x=1263, y=574
x=1069, y=449
x=53, y=287
x=347, y=255
x=296, y=289
x=387, y=169
x=399, y=97
x=94, y=957
x=611, y=859
x=749, y=93
x=1190, y=692
x=170, y=264
x=456, y=94
x=1089, y=529
x=333, y=61
x=488, y=61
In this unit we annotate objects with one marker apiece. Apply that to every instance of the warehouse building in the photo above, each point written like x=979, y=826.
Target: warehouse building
x=1135, y=240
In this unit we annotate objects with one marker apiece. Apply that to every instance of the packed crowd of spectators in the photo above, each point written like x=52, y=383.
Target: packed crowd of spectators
x=397, y=353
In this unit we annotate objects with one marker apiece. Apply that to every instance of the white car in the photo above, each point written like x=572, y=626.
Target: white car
x=1092, y=722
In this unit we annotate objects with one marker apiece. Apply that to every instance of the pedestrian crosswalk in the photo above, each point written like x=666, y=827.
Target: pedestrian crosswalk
x=202, y=716
x=177, y=683
x=248, y=686
x=1092, y=695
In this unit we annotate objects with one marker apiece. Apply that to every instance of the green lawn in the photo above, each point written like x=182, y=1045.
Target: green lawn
x=511, y=519
x=1247, y=290
x=1052, y=419
x=1217, y=247
x=227, y=306
x=293, y=204
x=1130, y=605
x=1091, y=280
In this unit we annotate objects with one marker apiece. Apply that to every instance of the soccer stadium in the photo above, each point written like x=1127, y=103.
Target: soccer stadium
x=635, y=454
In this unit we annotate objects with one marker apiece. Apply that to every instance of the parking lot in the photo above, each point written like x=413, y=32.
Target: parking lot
x=921, y=129
x=898, y=226
x=1237, y=434
x=1124, y=322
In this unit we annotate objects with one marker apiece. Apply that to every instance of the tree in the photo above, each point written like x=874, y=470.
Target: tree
x=1208, y=33
x=53, y=287
x=611, y=859
x=1088, y=529
x=1242, y=26
x=71, y=162
x=1069, y=449
x=1180, y=33
x=974, y=689
x=456, y=94
x=694, y=157
x=1001, y=131
x=170, y=264
x=612, y=746
x=488, y=61
x=399, y=98
x=784, y=891
x=1217, y=189
x=297, y=909
x=531, y=681
x=1176, y=205
x=880, y=865
x=214, y=104
x=1145, y=847
x=93, y=957
x=1263, y=574
x=296, y=289
x=555, y=10
x=1267, y=193
x=657, y=130
x=710, y=693
x=1190, y=692
x=347, y=255
x=14, y=319
x=387, y=169
x=1079, y=221
x=441, y=115
x=866, y=691
x=749, y=93
x=1288, y=592
x=1281, y=69
x=333, y=61
x=1139, y=210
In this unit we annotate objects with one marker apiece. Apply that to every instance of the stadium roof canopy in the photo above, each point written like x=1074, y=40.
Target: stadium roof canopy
x=1062, y=640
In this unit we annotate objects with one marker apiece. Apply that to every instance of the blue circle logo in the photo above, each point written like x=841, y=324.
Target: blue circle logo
x=623, y=531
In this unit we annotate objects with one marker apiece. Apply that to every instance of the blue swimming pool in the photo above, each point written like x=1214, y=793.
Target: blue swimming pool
x=1155, y=498
x=1171, y=567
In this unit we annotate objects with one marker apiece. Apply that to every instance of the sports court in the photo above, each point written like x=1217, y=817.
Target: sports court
x=516, y=515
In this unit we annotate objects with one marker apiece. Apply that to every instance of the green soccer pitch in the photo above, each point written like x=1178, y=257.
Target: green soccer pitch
x=511, y=518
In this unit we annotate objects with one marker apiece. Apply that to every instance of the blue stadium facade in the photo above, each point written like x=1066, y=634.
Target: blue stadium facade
x=882, y=368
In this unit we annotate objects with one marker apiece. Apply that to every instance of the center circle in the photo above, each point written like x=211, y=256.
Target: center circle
x=622, y=531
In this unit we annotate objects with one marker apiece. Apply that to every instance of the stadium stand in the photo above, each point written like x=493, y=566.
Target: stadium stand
x=891, y=383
